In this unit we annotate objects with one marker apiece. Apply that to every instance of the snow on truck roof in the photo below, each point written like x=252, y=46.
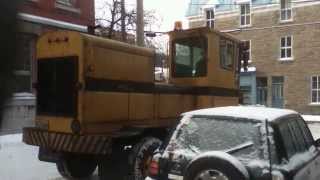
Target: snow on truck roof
x=244, y=112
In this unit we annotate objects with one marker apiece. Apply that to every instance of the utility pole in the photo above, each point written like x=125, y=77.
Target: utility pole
x=123, y=21
x=140, y=23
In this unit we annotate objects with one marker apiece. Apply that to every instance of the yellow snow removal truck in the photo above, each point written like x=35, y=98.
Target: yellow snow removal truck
x=98, y=103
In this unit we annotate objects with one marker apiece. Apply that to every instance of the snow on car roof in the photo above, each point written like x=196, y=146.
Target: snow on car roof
x=245, y=112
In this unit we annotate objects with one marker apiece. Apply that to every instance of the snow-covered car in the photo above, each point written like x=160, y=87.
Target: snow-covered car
x=238, y=143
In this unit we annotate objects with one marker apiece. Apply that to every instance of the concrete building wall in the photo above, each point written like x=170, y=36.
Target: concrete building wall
x=265, y=33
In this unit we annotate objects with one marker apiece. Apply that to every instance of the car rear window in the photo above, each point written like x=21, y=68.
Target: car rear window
x=201, y=134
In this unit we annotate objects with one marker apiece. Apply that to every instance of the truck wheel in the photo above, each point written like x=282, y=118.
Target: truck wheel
x=76, y=166
x=114, y=167
x=209, y=168
x=141, y=156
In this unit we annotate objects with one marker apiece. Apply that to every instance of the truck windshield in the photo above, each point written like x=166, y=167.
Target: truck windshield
x=189, y=57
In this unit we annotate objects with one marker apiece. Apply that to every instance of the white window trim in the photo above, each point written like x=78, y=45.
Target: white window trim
x=286, y=9
x=317, y=89
x=63, y=3
x=250, y=6
x=209, y=8
x=67, y=7
x=287, y=47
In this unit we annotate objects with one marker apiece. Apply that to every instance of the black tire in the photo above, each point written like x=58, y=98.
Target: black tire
x=76, y=166
x=114, y=167
x=217, y=165
x=141, y=156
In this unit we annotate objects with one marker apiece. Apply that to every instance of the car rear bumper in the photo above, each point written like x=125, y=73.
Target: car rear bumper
x=63, y=142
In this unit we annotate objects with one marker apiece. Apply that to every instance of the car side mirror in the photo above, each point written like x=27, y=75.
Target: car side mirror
x=317, y=143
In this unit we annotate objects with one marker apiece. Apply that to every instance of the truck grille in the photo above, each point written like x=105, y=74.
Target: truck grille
x=56, y=87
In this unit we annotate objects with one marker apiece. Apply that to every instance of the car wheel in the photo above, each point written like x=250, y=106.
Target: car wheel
x=141, y=157
x=76, y=166
x=212, y=168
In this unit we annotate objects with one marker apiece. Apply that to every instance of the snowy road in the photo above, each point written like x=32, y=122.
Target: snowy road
x=19, y=161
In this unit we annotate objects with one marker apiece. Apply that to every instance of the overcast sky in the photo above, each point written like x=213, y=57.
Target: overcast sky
x=169, y=11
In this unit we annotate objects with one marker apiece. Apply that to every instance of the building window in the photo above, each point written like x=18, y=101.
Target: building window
x=262, y=90
x=246, y=95
x=210, y=18
x=277, y=91
x=66, y=2
x=286, y=48
x=22, y=68
x=315, y=89
x=245, y=15
x=227, y=54
x=286, y=10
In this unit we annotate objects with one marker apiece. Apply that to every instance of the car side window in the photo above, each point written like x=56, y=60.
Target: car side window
x=295, y=136
x=287, y=140
x=306, y=134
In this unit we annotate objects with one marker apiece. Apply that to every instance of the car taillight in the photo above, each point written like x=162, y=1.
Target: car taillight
x=154, y=168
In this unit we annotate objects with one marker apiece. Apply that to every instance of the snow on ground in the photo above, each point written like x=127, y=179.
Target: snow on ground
x=19, y=161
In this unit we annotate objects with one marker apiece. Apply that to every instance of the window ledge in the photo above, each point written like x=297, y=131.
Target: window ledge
x=314, y=104
x=33, y=0
x=286, y=59
x=67, y=8
x=245, y=26
x=286, y=21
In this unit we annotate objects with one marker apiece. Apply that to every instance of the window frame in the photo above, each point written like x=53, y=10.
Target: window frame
x=317, y=89
x=173, y=61
x=210, y=20
x=65, y=3
x=245, y=15
x=287, y=122
x=25, y=69
x=228, y=41
x=286, y=48
x=286, y=9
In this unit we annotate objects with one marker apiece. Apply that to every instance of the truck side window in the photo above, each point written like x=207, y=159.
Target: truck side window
x=227, y=54
x=189, y=57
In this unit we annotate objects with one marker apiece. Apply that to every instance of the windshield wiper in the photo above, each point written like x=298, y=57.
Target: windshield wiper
x=239, y=147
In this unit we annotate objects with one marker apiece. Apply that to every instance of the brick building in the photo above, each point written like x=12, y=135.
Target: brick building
x=39, y=16
x=36, y=17
x=283, y=40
